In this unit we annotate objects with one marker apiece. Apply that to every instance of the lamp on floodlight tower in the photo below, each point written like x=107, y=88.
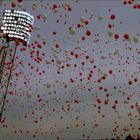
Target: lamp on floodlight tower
x=16, y=27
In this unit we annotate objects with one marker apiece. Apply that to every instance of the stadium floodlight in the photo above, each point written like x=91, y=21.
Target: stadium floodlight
x=20, y=21
x=17, y=26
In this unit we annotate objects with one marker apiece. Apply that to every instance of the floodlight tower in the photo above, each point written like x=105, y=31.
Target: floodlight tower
x=17, y=26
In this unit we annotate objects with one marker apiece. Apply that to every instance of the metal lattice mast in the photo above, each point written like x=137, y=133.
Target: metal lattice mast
x=16, y=27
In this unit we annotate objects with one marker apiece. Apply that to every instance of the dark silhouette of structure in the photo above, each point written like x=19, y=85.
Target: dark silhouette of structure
x=16, y=27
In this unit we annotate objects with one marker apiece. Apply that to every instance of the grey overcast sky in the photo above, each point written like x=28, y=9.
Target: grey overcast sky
x=79, y=77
